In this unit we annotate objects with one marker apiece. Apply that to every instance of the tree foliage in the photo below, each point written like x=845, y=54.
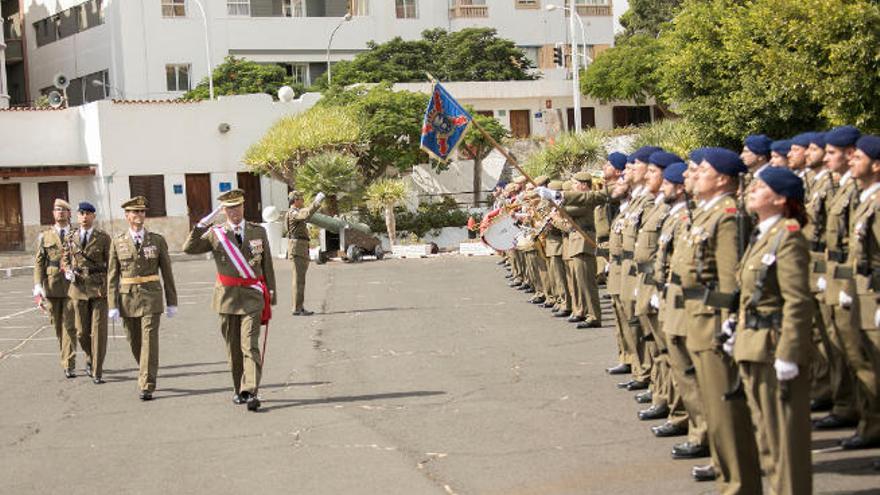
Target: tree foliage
x=627, y=71
x=571, y=153
x=678, y=136
x=330, y=172
x=647, y=17
x=237, y=76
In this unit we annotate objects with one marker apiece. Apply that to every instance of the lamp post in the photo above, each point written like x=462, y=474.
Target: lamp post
x=345, y=18
x=576, y=77
x=551, y=8
x=207, y=49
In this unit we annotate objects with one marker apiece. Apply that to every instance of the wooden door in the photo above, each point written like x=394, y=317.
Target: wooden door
x=11, y=225
x=198, y=196
x=588, y=118
x=519, y=123
x=253, y=198
x=49, y=192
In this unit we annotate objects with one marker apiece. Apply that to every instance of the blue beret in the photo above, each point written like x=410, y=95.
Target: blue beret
x=643, y=154
x=782, y=146
x=501, y=183
x=617, y=160
x=675, y=173
x=843, y=136
x=726, y=162
x=663, y=159
x=818, y=138
x=802, y=139
x=783, y=181
x=870, y=145
x=758, y=144
x=696, y=155
x=86, y=206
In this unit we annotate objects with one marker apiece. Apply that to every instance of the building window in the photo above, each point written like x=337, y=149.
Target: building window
x=293, y=8
x=49, y=192
x=406, y=9
x=151, y=187
x=238, y=7
x=173, y=8
x=358, y=7
x=591, y=2
x=299, y=73
x=68, y=22
x=528, y=4
x=177, y=77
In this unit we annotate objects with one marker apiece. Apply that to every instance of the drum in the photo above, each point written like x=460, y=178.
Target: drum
x=501, y=233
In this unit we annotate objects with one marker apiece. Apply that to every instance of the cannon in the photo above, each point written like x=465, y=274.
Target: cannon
x=348, y=240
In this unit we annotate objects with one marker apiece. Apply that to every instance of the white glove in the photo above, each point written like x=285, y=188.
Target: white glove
x=844, y=299
x=607, y=268
x=171, y=311
x=207, y=219
x=877, y=318
x=655, y=301
x=821, y=284
x=319, y=197
x=38, y=291
x=547, y=193
x=69, y=275
x=636, y=292
x=113, y=314
x=727, y=328
x=785, y=370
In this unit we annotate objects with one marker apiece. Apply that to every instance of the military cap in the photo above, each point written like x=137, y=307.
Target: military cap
x=758, y=144
x=802, y=139
x=137, y=203
x=675, y=172
x=566, y=186
x=782, y=146
x=724, y=161
x=818, y=138
x=617, y=160
x=843, y=136
x=556, y=185
x=783, y=182
x=663, y=159
x=294, y=195
x=582, y=176
x=520, y=179
x=60, y=203
x=870, y=145
x=696, y=155
x=86, y=206
x=541, y=180
x=234, y=197
x=643, y=154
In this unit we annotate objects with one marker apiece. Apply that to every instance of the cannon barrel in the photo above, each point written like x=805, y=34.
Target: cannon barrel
x=335, y=225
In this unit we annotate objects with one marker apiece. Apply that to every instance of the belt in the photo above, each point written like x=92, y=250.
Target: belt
x=647, y=267
x=843, y=272
x=602, y=238
x=820, y=267
x=632, y=271
x=838, y=256
x=755, y=321
x=627, y=255
x=714, y=299
x=615, y=258
x=817, y=246
x=675, y=279
x=873, y=274
x=139, y=280
x=56, y=264
x=602, y=252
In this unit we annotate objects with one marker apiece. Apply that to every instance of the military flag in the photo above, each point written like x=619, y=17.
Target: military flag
x=445, y=124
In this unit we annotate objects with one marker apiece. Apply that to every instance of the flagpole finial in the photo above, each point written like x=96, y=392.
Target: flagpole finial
x=430, y=77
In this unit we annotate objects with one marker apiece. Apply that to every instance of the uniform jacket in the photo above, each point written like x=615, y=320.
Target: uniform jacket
x=786, y=296
x=580, y=206
x=864, y=258
x=634, y=218
x=837, y=228
x=298, y=231
x=615, y=249
x=645, y=254
x=126, y=262
x=674, y=228
x=255, y=249
x=820, y=195
x=88, y=262
x=47, y=263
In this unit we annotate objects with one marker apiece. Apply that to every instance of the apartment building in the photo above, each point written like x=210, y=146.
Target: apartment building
x=157, y=49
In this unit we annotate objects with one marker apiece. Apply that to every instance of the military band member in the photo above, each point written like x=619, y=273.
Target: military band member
x=772, y=342
x=84, y=261
x=298, y=245
x=51, y=288
x=135, y=290
x=553, y=249
x=244, y=290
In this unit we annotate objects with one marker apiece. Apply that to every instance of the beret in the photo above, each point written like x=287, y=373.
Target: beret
x=802, y=139
x=86, y=206
x=663, y=159
x=782, y=146
x=758, y=144
x=617, y=160
x=675, y=173
x=696, y=155
x=783, y=182
x=870, y=145
x=818, y=138
x=726, y=162
x=501, y=183
x=843, y=136
x=643, y=154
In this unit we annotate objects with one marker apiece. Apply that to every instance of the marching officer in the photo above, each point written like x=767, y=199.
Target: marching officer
x=298, y=241
x=770, y=336
x=135, y=290
x=84, y=261
x=244, y=291
x=51, y=287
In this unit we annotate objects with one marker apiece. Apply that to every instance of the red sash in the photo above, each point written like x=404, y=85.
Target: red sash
x=229, y=281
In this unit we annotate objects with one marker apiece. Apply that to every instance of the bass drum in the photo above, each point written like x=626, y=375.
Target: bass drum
x=501, y=234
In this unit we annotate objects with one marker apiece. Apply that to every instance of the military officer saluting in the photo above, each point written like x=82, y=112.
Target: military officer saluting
x=135, y=290
x=244, y=291
x=50, y=286
x=84, y=261
x=298, y=250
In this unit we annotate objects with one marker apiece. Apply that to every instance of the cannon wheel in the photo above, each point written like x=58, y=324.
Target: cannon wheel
x=322, y=257
x=379, y=253
x=353, y=253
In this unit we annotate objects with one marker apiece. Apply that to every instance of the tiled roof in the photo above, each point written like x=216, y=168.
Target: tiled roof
x=176, y=101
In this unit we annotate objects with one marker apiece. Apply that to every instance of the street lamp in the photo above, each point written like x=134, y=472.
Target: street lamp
x=551, y=8
x=345, y=18
x=207, y=49
x=576, y=77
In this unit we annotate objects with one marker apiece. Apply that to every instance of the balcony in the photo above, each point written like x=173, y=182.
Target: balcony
x=594, y=10
x=467, y=11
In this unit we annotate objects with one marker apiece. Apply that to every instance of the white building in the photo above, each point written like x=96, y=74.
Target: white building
x=149, y=49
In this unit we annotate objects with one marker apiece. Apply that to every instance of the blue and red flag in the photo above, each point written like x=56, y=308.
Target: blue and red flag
x=445, y=124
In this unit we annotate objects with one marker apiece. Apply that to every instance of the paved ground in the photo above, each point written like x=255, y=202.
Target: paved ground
x=418, y=376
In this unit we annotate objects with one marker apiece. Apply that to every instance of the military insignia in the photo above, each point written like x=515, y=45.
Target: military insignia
x=151, y=252
x=793, y=227
x=768, y=259
x=256, y=246
x=731, y=209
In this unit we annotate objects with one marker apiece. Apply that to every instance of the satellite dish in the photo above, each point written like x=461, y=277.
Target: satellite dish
x=271, y=214
x=286, y=94
x=60, y=81
x=55, y=99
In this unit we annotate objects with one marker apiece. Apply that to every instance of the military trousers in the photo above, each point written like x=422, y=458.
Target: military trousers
x=734, y=451
x=852, y=341
x=843, y=383
x=142, y=333
x=624, y=352
x=300, y=267
x=662, y=390
x=781, y=415
x=582, y=269
x=820, y=365
x=516, y=265
x=63, y=318
x=871, y=339
x=558, y=278
x=91, y=330
x=684, y=377
x=533, y=272
x=241, y=334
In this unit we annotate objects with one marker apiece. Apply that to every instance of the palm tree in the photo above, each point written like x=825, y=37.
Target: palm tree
x=385, y=194
x=332, y=173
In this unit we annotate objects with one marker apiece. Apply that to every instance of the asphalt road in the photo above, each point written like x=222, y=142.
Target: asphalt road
x=424, y=376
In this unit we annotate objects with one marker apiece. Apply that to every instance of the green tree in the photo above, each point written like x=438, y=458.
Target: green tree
x=627, y=71
x=237, y=76
x=332, y=173
x=383, y=195
x=477, y=147
x=570, y=153
x=647, y=17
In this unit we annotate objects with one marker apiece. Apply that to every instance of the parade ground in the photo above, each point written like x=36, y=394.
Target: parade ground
x=414, y=376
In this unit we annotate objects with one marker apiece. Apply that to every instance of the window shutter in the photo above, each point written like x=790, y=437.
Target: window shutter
x=151, y=187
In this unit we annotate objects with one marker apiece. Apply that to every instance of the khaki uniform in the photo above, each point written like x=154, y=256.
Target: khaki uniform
x=556, y=275
x=775, y=323
x=47, y=273
x=298, y=249
x=705, y=264
x=239, y=307
x=135, y=288
x=582, y=256
x=632, y=223
x=88, y=292
x=603, y=215
x=625, y=347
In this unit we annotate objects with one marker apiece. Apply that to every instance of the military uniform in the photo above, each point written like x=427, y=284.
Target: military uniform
x=298, y=246
x=582, y=255
x=88, y=292
x=49, y=283
x=626, y=349
x=632, y=223
x=553, y=249
x=136, y=290
x=237, y=299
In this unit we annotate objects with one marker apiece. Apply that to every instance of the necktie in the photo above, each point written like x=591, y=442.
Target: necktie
x=754, y=237
x=238, y=235
x=85, y=239
x=63, y=234
x=137, y=242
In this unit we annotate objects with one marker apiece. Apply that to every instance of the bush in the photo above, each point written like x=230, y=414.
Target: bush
x=429, y=217
x=676, y=136
x=570, y=153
